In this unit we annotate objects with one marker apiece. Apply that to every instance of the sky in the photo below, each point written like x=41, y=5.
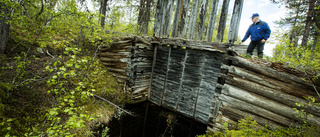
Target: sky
x=268, y=12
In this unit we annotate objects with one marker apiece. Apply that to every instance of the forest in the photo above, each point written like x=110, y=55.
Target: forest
x=52, y=82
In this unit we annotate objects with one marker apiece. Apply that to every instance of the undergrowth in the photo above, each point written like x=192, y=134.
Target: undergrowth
x=48, y=91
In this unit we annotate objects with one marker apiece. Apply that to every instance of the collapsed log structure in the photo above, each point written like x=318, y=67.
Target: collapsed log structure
x=206, y=81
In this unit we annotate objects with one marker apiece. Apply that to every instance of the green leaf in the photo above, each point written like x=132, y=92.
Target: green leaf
x=77, y=66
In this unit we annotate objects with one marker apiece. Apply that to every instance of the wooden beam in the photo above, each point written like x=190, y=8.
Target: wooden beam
x=202, y=18
x=265, y=103
x=235, y=21
x=250, y=108
x=212, y=20
x=283, y=76
x=270, y=88
x=237, y=114
x=193, y=18
x=223, y=20
x=176, y=19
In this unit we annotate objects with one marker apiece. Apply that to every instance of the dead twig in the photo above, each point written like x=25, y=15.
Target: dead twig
x=103, y=99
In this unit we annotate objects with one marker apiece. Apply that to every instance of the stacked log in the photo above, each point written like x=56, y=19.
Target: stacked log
x=141, y=66
x=117, y=58
x=264, y=93
x=129, y=60
x=198, y=79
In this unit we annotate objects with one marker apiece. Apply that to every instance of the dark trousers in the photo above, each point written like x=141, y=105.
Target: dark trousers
x=259, y=45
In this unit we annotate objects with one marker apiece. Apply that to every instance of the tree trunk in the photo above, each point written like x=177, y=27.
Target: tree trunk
x=4, y=28
x=140, y=17
x=203, y=10
x=158, y=19
x=176, y=19
x=293, y=29
x=144, y=16
x=103, y=10
x=315, y=41
x=223, y=20
x=193, y=18
x=212, y=19
x=235, y=21
x=147, y=17
x=184, y=19
x=308, y=23
x=167, y=18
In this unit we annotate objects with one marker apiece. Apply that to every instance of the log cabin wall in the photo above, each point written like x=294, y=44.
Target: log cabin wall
x=129, y=60
x=266, y=93
x=184, y=79
x=204, y=81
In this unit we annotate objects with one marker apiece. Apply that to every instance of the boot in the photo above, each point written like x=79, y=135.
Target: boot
x=248, y=55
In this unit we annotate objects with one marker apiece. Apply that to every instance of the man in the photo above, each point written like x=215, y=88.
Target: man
x=260, y=32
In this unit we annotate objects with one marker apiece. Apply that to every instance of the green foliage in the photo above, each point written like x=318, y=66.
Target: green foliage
x=286, y=52
x=301, y=111
x=248, y=127
x=47, y=87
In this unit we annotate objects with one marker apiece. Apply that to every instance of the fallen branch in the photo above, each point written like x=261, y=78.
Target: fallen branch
x=113, y=104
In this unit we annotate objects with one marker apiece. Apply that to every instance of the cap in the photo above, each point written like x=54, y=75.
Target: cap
x=254, y=15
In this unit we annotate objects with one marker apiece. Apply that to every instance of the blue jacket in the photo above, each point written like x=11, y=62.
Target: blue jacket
x=258, y=31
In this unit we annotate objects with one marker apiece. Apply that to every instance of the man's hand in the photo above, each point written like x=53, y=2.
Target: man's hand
x=240, y=42
x=263, y=41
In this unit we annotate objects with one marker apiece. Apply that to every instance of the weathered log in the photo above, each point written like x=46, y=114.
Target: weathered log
x=193, y=18
x=176, y=19
x=184, y=19
x=265, y=103
x=241, y=114
x=138, y=97
x=212, y=20
x=273, y=94
x=140, y=90
x=238, y=61
x=202, y=17
x=247, y=107
x=119, y=76
x=269, y=82
x=141, y=83
x=117, y=43
x=114, y=57
x=115, y=65
x=143, y=40
x=123, y=71
x=200, y=45
x=235, y=21
x=104, y=59
x=142, y=64
x=144, y=46
x=223, y=20
x=108, y=54
x=116, y=49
